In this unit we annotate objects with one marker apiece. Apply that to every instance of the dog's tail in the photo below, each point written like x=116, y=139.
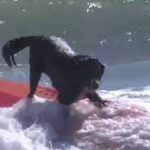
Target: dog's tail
x=14, y=46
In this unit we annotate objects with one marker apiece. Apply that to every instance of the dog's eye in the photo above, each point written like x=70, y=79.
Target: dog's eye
x=94, y=84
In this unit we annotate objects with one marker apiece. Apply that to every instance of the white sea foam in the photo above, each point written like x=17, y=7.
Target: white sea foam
x=124, y=124
x=40, y=125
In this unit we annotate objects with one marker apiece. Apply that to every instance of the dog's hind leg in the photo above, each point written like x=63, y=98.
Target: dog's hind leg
x=35, y=74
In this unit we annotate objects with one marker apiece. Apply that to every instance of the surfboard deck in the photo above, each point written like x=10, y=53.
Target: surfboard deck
x=11, y=92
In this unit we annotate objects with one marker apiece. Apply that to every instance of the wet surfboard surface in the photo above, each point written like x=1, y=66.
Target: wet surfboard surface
x=11, y=92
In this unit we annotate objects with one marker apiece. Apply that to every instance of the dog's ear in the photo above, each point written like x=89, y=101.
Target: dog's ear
x=94, y=68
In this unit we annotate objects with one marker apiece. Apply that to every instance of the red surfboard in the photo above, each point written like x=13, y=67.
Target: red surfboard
x=11, y=92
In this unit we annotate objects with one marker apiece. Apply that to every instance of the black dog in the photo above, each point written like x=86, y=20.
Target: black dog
x=74, y=76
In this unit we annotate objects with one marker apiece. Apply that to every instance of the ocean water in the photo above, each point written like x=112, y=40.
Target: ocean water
x=122, y=125
x=114, y=31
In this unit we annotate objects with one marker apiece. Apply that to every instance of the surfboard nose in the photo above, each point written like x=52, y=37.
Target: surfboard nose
x=12, y=92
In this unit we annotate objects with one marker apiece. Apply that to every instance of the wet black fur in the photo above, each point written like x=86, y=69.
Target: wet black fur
x=74, y=76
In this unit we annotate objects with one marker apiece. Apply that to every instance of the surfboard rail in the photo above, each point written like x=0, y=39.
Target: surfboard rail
x=12, y=91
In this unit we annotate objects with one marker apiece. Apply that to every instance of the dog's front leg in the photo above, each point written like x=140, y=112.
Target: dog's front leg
x=35, y=75
x=96, y=99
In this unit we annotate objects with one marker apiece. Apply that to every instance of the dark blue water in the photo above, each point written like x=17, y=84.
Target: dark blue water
x=115, y=31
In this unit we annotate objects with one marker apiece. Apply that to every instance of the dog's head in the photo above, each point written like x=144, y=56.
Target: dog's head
x=90, y=71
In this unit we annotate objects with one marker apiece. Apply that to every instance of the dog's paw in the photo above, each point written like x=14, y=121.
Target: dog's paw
x=102, y=103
